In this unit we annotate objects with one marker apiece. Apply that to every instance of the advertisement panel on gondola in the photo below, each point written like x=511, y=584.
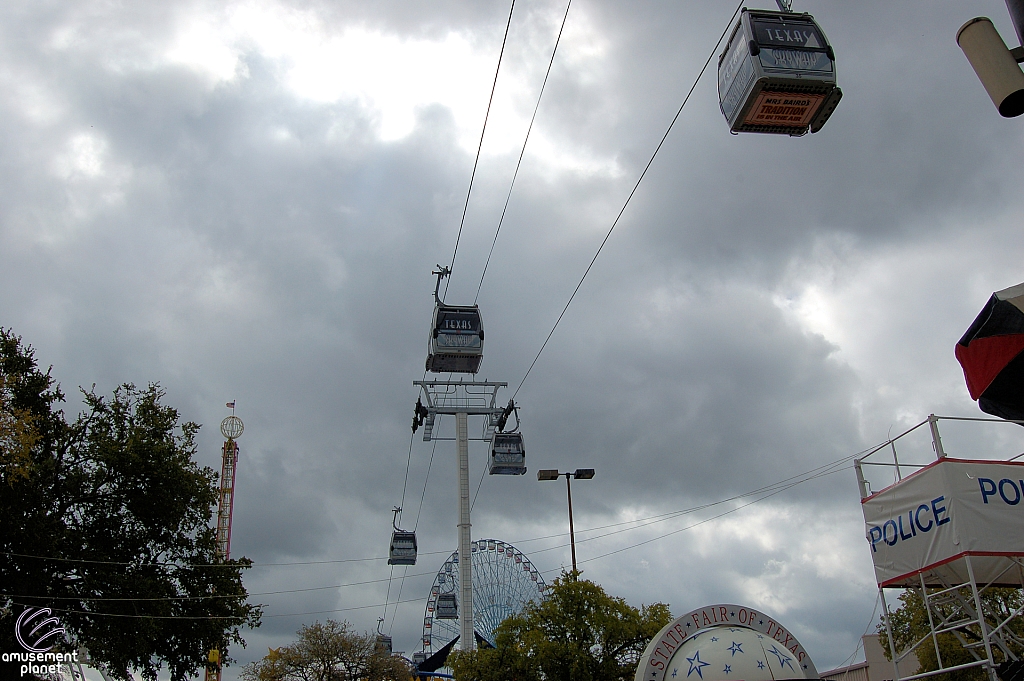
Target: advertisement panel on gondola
x=782, y=108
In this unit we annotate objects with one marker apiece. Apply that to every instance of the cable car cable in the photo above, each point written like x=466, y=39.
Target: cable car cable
x=408, y=462
x=483, y=473
x=630, y=197
x=387, y=596
x=394, y=612
x=480, y=146
x=522, y=151
x=424, y=492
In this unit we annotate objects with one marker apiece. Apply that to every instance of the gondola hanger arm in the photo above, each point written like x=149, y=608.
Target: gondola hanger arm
x=394, y=522
x=440, y=273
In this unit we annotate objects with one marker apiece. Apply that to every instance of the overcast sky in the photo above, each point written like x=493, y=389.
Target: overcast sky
x=245, y=200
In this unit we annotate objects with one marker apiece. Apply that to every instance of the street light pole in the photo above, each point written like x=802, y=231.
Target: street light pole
x=572, y=534
x=579, y=474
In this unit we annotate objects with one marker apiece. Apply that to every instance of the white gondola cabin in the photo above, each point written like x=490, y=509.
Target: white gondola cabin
x=777, y=74
x=403, y=548
x=447, y=607
x=508, y=455
x=456, y=339
x=384, y=642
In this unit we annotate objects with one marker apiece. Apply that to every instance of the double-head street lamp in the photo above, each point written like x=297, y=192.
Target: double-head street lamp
x=579, y=474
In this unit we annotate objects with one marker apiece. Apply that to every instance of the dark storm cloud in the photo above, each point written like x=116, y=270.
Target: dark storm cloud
x=234, y=240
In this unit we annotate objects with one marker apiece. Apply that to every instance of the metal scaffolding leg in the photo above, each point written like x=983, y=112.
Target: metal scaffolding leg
x=982, y=624
x=466, y=639
x=888, y=633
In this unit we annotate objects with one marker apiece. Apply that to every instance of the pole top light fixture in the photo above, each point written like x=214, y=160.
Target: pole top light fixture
x=583, y=474
x=548, y=474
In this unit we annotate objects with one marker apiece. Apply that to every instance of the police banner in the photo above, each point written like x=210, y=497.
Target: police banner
x=950, y=509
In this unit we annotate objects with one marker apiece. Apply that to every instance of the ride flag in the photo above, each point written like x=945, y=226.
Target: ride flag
x=947, y=510
x=992, y=355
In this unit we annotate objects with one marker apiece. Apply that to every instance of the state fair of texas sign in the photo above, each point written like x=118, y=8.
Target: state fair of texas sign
x=654, y=663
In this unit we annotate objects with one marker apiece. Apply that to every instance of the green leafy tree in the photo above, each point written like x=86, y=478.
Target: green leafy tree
x=909, y=624
x=106, y=520
x=577, y=633
x=329, y=651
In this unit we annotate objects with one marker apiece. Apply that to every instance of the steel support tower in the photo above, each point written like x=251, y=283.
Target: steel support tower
x=462, y=399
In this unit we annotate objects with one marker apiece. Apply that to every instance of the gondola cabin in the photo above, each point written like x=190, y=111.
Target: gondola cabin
x=384, y=644
x=456, y=339
x=508, y=456
x=447, y=607
x=403, y=548
x=777, y=74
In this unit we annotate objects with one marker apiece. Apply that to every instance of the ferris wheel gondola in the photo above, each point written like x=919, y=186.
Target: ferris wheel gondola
x=777, y=74
x=456, y=341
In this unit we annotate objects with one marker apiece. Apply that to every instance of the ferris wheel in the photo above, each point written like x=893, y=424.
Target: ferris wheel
x=504, y=581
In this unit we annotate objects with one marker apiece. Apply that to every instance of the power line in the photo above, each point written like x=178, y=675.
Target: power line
x=189, y=566
x=768, y=491
x=778, y=485
x=629, y=198
x=707, y=520
x=522, y=151
x=208, y=617
x=480, y=146
x=213, y=596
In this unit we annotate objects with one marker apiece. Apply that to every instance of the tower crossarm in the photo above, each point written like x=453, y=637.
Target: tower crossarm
x=473, y=398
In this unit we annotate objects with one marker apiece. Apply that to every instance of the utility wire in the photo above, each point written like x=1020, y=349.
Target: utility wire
x=860, y=641
x=214, y=596
x=90, y=613
x=809, y=474
x=706, y=520
x=522, y=151
x=478, y=148
x=629, y=198
x=768, y=491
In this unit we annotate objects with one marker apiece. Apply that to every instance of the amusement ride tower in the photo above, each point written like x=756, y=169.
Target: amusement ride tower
x=231, y=428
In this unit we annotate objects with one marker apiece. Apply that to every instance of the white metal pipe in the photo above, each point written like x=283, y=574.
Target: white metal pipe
x=931, y=622
x=933, y=424
x=862, y=483
x=991, y=667
x=888, y=631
